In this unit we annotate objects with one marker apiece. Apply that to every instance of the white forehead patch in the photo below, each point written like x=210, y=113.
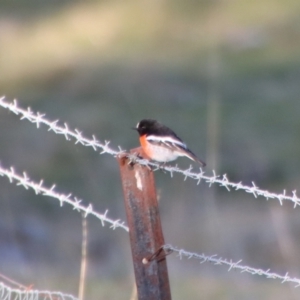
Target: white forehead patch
x=137, y=125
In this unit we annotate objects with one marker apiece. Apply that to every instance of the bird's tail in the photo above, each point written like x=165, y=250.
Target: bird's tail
x=193, y=157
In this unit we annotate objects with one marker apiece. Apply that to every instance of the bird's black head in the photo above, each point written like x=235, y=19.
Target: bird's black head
x=147, y=126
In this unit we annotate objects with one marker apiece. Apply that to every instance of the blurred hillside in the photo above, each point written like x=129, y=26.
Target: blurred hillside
x=223, y=74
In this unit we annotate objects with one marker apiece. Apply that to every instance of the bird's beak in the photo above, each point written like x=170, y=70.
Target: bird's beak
x=134, y=128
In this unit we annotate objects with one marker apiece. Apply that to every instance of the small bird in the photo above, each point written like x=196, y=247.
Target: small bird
x=161, y=144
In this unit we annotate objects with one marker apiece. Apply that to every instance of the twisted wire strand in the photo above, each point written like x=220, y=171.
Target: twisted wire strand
x=7, y=293
x=181, y=253
x=39, y=188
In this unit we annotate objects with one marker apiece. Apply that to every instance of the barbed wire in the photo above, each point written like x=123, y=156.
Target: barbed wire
x=7, y=293
x=221, y=180
x=39, y=188
x=181, y=253
x=23, y=180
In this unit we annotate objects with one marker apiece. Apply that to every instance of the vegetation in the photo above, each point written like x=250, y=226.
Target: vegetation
x=101, y=66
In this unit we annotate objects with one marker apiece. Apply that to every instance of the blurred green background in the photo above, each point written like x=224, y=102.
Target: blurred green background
x=223, y=74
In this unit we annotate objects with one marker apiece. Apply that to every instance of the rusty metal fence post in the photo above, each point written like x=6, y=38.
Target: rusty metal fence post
x=146, y=237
